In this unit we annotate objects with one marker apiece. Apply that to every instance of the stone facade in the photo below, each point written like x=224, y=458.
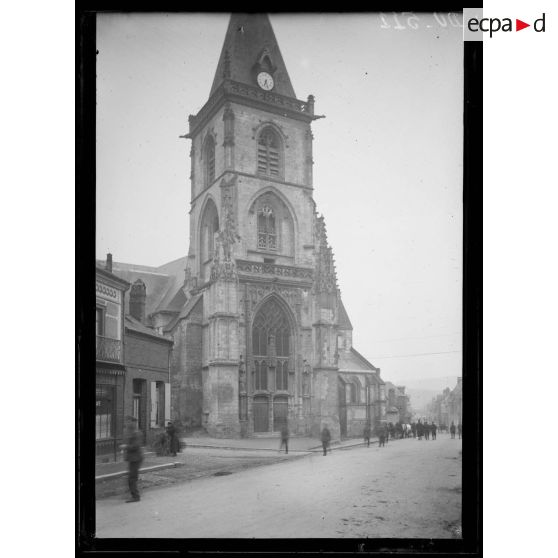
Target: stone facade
x=260, y=334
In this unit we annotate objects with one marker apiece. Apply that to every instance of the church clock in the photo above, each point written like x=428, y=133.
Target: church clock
x=265, y=81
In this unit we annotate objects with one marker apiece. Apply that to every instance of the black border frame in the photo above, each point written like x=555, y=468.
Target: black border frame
x=86, y=543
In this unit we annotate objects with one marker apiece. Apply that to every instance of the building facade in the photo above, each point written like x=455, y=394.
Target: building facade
x=147, y=392
x=110, y=369
x=447, y=407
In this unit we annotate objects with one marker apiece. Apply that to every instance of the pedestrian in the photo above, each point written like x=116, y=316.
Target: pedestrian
x=134, y=457
x=414, y=429
x=433, y=430
x=366, y=434
x=459, y=430
x=284, y=438
x=173, y=443
x=452, y=429
x=382, y=435
x=426, y=431
x=326, y=438
x=419, y=429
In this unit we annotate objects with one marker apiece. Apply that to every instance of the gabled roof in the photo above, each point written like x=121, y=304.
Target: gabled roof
x=131, y=324
x=353, y=361
x=162, y=283
x=248, y=39
x=344, y=322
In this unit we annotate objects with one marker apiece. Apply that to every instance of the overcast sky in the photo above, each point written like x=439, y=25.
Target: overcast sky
x=387, y=172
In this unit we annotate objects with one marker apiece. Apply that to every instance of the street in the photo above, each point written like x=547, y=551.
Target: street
x=408, y=489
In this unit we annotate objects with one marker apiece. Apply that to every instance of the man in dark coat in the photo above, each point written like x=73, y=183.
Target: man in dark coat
x=366, y=434
x=134, y=457
x=284, y=438
x=173, y=443
x=452, y=429
x=426, y=431
x=326, y=438
x=433, y=430
x=419, y=430
x=414, y=429
x=459, y=430
x=382, y=430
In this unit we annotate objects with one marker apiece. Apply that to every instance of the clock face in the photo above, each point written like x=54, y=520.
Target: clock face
x=265, y=81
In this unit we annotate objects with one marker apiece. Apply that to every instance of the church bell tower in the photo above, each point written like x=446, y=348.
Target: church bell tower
x=258, y=251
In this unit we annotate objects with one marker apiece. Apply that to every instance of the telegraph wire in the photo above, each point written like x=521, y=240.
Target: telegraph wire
x=415, y=354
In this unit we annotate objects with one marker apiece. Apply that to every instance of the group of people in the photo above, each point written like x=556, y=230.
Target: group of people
x=168, y=442
x=420, y=429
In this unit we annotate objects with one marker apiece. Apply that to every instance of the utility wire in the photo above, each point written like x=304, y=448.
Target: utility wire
x=412, y=338
x=415, y=354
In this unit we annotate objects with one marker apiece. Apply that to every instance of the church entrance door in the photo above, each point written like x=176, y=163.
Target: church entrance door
x=261, y=414
x=280, y=412
x=272, y=363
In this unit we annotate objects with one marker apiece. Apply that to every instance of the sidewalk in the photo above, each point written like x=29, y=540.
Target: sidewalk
x=152, y=462
x=296, y=443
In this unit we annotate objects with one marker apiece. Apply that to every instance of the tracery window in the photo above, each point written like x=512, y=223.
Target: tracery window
x=267, y=233
x=209, y=156
x=271, y=346
x=269, y=152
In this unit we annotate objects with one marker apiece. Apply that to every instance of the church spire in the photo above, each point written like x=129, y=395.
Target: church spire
x=250, y=47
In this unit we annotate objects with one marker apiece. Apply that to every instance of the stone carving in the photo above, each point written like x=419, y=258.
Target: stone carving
x=223, y=266
x=241, y=376
x=255, y=293
x=190, y=281
x=325, y=279
x=274, y=98
x=306, y=378
x=260, y=268
x=229, y=87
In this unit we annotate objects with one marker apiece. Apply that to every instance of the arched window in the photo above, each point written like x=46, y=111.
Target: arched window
x=260, y=379
x=269, y=152
x=209, y=226
x=271, y=346
x=267, y=232
x=209, y=159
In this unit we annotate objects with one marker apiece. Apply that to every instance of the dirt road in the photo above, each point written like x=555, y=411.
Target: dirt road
x=408, y=489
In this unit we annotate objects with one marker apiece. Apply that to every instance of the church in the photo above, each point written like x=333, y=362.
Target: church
x=261, y=336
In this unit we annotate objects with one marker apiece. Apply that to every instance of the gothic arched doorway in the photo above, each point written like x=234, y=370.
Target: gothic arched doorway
x=272, y=365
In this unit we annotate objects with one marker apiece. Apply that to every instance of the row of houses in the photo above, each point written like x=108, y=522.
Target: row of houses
x=132, y=363
x=447, y=407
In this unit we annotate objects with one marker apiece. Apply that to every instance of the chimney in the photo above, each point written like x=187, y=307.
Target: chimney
x=108, y=265
x=137, y=301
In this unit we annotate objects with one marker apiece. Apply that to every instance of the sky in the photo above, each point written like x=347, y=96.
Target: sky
x=387, y=162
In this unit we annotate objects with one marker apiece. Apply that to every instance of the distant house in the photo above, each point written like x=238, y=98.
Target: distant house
x=362, y=397
x=110, y=368
x=447, y=407
x=147, y=394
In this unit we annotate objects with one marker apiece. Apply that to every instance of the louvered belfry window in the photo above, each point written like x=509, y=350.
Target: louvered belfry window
x=209, y=161
x=268, y=153
x=267, y=233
